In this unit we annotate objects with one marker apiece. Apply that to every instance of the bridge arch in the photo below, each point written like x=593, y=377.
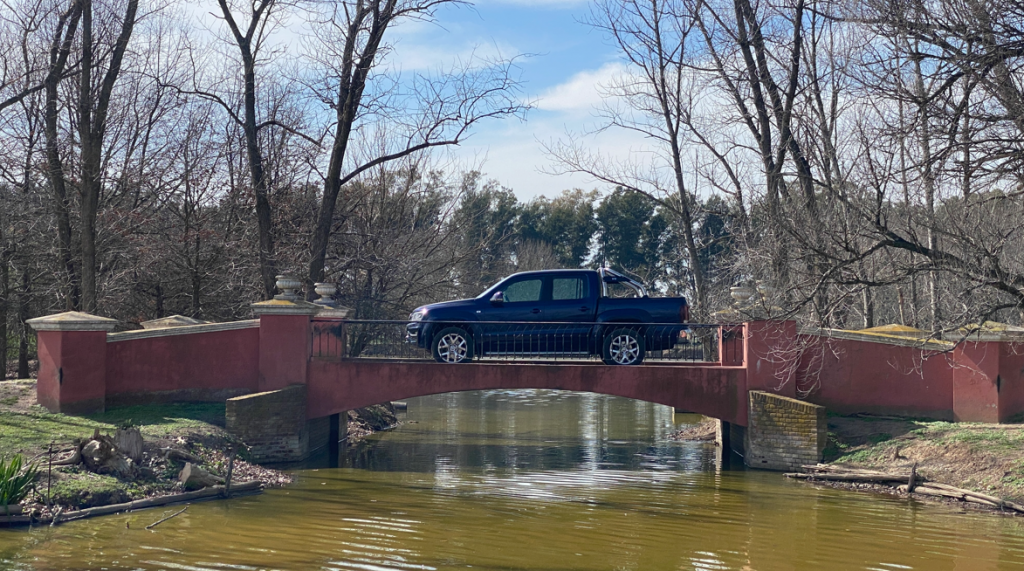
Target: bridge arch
x=337, y=386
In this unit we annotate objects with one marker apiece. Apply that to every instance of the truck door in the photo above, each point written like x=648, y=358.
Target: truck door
x=573, y=303
x=519, y=311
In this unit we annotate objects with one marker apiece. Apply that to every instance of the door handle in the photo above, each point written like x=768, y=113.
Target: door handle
x=584, y=308
x=535, y=310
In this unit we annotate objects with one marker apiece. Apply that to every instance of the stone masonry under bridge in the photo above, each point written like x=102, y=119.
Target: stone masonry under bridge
x=768, y=385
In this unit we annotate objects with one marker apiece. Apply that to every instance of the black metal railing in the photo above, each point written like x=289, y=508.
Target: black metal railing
x=528, y=341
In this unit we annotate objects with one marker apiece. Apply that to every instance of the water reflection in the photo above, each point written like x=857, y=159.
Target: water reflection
x=536, y=481
x=530, y=430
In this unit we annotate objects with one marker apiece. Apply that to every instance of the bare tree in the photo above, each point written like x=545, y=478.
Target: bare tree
x=349, y=38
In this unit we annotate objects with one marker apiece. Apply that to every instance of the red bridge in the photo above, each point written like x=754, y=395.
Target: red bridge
x=285, y=387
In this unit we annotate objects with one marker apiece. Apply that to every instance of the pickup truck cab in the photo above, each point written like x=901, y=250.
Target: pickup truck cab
x=551, y=313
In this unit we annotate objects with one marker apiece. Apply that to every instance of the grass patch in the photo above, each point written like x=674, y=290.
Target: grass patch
x=9, y=401
x=992, y=440
x=31, y=432
x=869, y=455
x=163, y=419
x=879, y=438
x=85, y=489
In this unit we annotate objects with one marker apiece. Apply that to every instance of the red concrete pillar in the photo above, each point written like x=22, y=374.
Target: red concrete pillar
x=72, y=350
x=730, y=345
x=285, y=339
x=771, y=356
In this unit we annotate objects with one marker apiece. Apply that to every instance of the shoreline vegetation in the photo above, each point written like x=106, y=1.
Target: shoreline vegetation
x=134, y=457
x=968, y=465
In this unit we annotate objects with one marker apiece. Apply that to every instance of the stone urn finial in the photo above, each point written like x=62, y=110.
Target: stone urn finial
x=766, y=290
x=326, y=292
x=289, y=288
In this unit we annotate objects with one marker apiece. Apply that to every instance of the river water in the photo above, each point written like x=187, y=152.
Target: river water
x=533, y=480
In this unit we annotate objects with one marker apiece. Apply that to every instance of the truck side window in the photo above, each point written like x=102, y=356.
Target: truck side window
x=569, y=288
x=525, y=290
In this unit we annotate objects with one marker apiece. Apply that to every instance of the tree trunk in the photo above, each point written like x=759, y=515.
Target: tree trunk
x=254, y=155
x=5, y=305
x=92, y=123
x=128, y=441
x=928, y=178
x=24, y=298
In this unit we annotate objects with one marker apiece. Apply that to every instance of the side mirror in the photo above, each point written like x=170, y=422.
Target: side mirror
x=498, y=298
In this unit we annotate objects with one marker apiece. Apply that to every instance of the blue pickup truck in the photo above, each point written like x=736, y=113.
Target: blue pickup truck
x=552, y=313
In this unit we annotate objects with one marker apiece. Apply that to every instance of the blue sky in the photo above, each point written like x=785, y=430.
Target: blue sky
x=567, y=60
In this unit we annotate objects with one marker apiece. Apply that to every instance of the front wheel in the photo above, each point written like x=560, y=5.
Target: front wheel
x=452, y=345
x=623, y=347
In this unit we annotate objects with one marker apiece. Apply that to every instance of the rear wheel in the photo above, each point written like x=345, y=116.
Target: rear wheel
x=452, y=345
x=623, y=346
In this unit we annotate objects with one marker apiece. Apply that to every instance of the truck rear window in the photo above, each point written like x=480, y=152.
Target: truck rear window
x=569, y=288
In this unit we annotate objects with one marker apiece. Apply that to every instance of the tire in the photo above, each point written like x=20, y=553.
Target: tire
x=623, y=346
x=452, y=345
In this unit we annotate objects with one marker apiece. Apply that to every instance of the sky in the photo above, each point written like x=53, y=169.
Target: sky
x=565, y=62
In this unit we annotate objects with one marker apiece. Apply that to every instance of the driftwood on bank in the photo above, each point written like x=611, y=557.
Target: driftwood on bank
x=241, y=488
x=193, y=477
x=159, y=501
x=840, y=474
x=161, y=520
x=912, y=482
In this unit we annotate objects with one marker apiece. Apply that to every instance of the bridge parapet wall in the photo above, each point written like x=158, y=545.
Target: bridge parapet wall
x=210, y=362
x=980, y=379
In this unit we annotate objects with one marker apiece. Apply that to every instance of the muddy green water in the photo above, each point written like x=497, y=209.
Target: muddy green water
x=533, y=480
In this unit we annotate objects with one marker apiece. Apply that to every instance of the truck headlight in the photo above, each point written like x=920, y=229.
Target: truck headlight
x=418, y=315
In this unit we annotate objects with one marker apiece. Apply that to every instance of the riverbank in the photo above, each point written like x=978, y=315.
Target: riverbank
x=983, y=458
x=173, y=435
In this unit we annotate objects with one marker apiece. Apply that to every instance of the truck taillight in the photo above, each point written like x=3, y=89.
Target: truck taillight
x=684, y=313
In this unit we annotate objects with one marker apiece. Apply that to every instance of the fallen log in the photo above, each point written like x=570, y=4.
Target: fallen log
x=211, y=492
x=850, y=477
x=928, y=490
x=865, y=473
x=13, y=509
x=914, y=483
x=978, y=495
x=15, y=519
x=72, y=460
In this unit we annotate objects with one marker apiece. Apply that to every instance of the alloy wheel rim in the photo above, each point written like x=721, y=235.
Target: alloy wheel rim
x=624, y=349
x=452, y=348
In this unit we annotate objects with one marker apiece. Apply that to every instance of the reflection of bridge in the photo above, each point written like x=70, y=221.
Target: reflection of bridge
x=285, y=387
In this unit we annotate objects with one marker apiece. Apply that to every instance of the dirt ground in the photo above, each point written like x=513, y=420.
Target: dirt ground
x=700, y=432
x=17, y=396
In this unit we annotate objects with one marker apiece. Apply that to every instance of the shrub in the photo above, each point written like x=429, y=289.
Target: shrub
x=15, y=481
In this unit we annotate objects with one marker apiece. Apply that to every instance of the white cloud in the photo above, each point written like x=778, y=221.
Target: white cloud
x=582, y=92
x=513, y=153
